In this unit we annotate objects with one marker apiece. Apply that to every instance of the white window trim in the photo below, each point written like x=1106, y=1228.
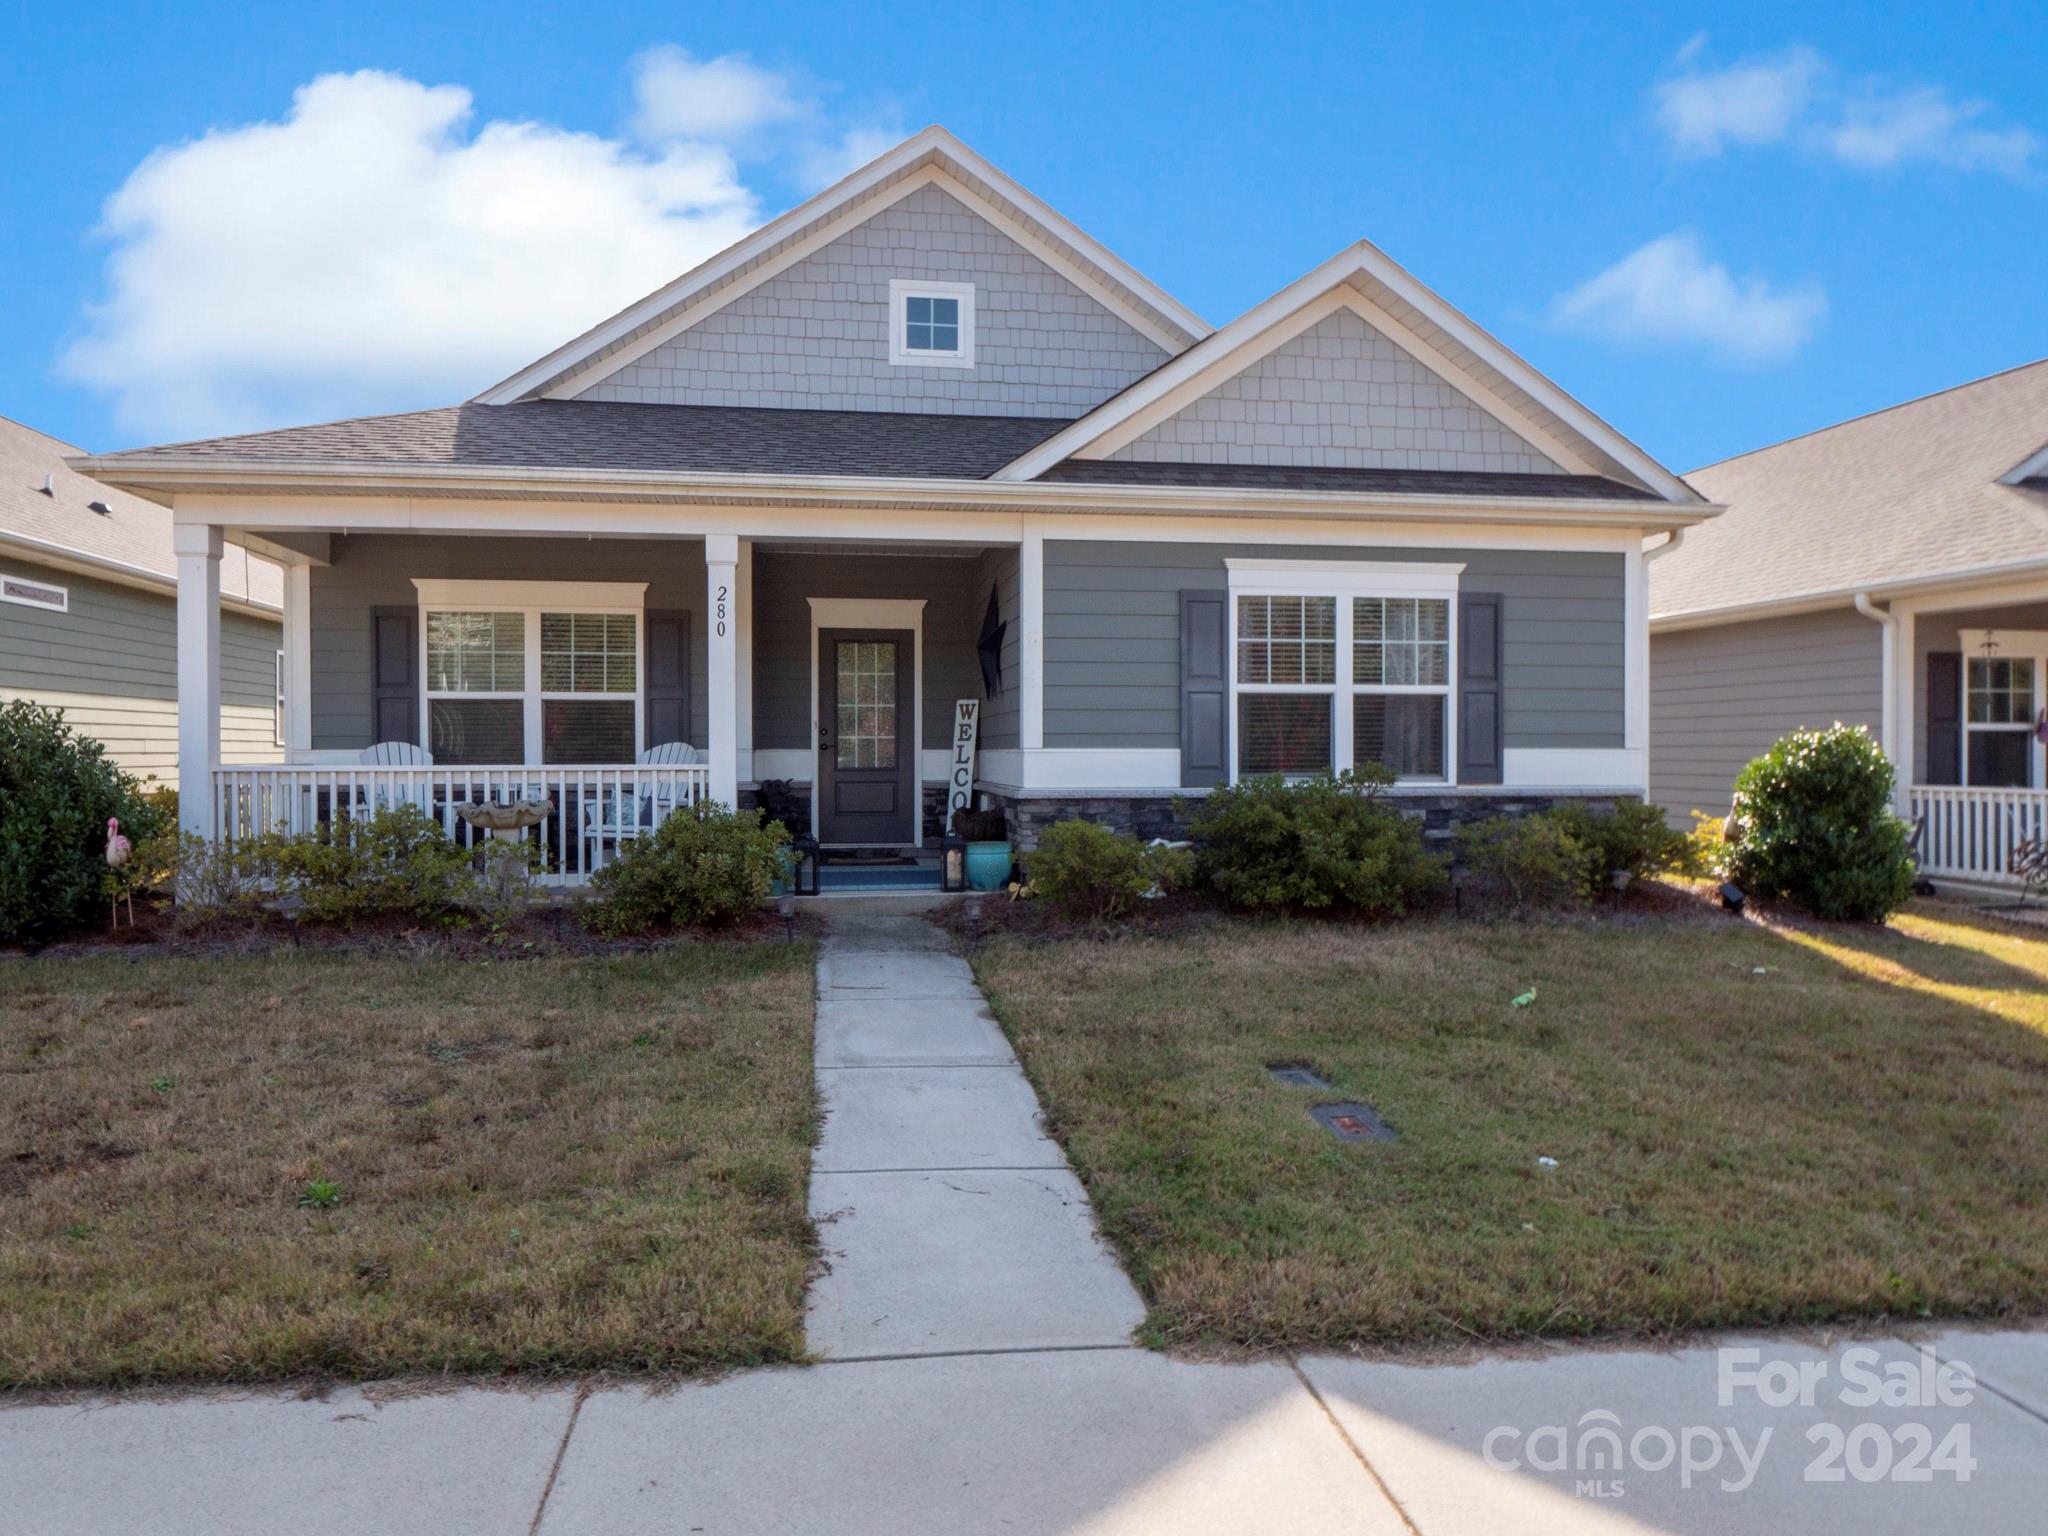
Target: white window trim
x=1343, y=581
x=902, y=289
x=530, y=599
x=37, y=584
x=2005, y=645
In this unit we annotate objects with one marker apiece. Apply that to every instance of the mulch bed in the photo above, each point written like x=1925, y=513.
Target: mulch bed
x=552, y=929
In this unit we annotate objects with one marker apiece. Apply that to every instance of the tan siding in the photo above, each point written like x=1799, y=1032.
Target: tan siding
x=1721, y=696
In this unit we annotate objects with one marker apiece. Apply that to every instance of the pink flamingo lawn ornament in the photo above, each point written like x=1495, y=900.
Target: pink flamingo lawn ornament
x=118, y=851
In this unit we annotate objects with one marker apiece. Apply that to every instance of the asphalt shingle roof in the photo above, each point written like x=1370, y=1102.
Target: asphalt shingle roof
x=131, y=532
x=1291, y=477
x=599, y=434
x=1903, y=493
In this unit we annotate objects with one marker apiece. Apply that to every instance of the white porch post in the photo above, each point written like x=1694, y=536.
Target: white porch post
x=1030, y=646
x=722, y=664
x=298, y=659
x=743, y=620
x=198, y=552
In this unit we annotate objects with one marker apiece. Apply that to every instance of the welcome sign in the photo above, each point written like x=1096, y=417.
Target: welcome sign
x=966, y=731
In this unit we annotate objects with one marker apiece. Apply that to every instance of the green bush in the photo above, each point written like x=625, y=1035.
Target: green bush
x=396, y=863
x=1817, y=827
x=1538, y=861
x=704, y=866
x=1327, y=842
x=1634, y=836
x=1084, y=870
x=57, y=792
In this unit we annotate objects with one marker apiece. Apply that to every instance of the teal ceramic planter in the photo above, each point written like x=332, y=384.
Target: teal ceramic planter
x=988, y=866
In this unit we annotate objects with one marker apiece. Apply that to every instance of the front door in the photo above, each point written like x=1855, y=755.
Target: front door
x=867, y=762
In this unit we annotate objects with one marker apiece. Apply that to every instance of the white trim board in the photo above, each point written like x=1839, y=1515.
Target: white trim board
x=843, y=206
x=874, y=613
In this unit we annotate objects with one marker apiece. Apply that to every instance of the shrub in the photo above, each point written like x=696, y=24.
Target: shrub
x=1085, y=870
x=703, y=866
x=1538, y=860
x=1817, y=827
x=1634, y=836
x=1314, y=844
x=215, y=882
x=396, y=863
x=57, y=791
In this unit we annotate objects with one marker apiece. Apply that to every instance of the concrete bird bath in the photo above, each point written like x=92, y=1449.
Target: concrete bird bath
x=507, y=820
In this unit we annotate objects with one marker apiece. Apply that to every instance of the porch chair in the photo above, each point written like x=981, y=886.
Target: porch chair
x=616, y=818
x=384, y=797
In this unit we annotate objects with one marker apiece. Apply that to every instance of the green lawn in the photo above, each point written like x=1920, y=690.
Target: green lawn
x=549, y=1164
x=1750, y=1125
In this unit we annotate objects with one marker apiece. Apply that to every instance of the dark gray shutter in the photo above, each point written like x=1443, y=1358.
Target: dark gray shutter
x=1944, y=717
x=668, y=676
x=1479, y=686
x=1204, y=688
x=395, y=675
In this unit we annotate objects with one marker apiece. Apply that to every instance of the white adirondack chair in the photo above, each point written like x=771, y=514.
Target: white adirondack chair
x=616, y=819
x=395, y=754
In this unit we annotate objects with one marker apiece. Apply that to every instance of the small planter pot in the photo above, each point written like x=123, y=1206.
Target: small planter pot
x=988, y=866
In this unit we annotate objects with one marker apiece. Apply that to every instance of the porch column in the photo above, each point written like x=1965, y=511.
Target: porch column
x=198, y=552
x=722, y=664
x=298, y=660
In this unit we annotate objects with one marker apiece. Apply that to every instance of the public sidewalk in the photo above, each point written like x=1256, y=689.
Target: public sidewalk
x=977, y=1375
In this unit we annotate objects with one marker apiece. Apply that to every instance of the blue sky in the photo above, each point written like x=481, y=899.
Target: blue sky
x=1717, y=226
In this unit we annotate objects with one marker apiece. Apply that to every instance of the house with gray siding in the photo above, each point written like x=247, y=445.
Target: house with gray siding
x=1890, y=572
x=921, y=442
x=88, y=614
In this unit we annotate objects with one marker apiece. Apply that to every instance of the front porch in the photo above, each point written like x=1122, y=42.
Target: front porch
x=618, y=680
x=1971, y=712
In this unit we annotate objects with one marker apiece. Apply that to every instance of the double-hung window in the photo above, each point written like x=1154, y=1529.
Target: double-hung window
x=532, y=672
x=2003, y=674
x=1339, y=665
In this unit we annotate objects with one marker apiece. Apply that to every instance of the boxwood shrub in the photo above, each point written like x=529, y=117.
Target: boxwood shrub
x=1817, y=827
x=1314, y=844
x=704, y=866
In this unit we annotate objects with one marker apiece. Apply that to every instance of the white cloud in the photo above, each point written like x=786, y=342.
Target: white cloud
x=1797, y=97
x=1671, y=291
x=1877, y=131
x=818, y=165
x=1756, y=102
x=374, y=250
x=680, y=97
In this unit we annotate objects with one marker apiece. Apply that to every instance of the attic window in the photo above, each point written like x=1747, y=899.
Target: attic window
x=931, y=325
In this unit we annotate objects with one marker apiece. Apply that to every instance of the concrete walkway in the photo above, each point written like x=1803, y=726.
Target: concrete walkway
x=951, y=1222
x=978, y=1377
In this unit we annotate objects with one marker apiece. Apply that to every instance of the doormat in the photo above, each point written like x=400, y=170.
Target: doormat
x=867, y=858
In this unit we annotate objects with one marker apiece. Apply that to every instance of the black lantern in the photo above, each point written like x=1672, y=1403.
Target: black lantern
x=803, y=873
x=953, y=863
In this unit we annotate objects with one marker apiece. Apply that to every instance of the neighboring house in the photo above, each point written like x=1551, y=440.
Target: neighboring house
x=1890, y=572
x=922, y=440
x=88, y=614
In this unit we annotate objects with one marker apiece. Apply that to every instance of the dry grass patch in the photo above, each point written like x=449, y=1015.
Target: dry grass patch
x=1751, y=1125
x=254, y=1168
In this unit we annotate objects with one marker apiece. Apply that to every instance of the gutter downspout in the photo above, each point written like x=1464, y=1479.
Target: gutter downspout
x=1888, y=732
x=1642, y=700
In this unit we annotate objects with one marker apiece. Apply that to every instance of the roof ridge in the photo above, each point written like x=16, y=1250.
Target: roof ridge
x=1882, y=410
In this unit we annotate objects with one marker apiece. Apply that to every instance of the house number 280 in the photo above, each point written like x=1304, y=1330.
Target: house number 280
x=719, y=610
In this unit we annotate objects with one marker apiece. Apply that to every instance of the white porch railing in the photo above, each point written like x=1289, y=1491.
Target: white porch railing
x=597, y=810
x=1972, y=834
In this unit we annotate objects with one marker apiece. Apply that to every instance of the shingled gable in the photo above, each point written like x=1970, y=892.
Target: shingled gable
x=1538, y=427
x=932, y=158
